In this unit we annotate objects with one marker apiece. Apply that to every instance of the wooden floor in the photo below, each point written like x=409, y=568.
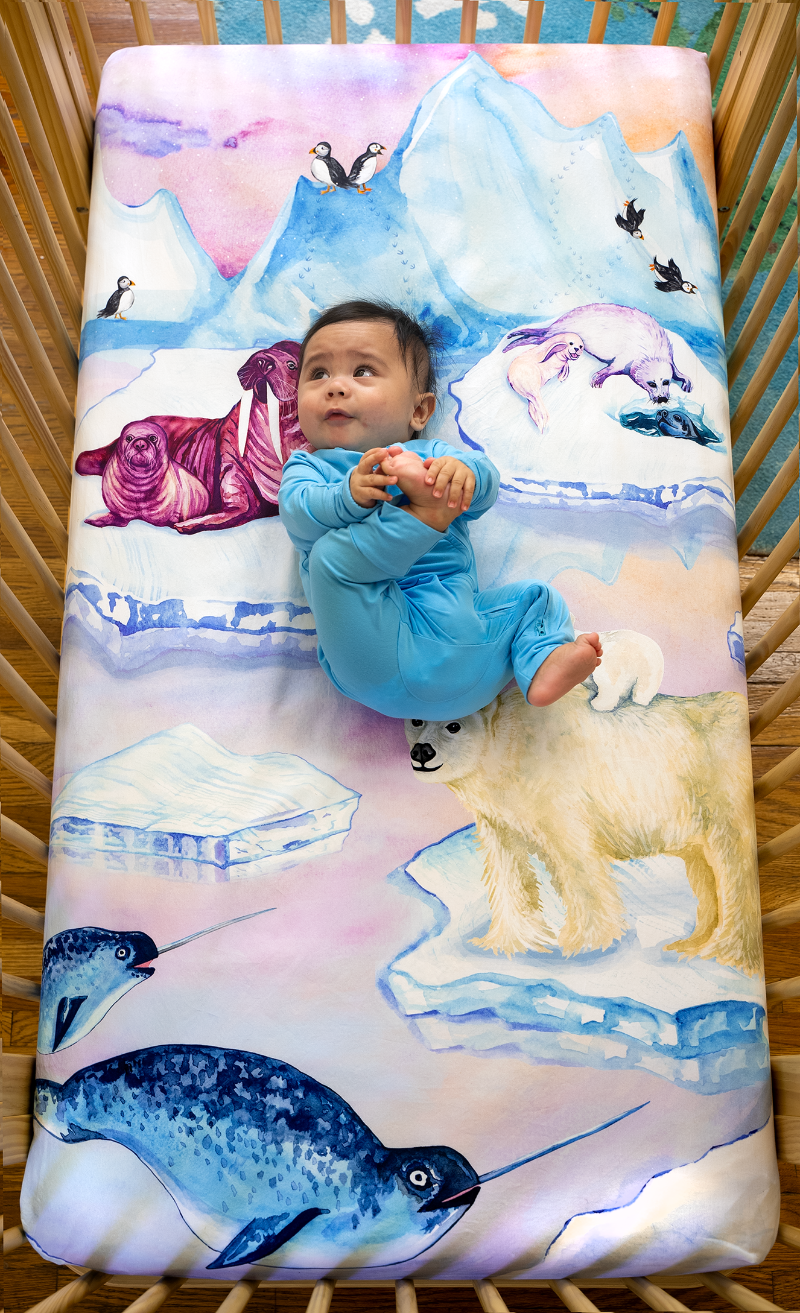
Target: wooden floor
x=29, y=1278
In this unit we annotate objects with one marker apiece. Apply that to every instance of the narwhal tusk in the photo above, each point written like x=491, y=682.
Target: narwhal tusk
x=562, y=1144
x=178, y=943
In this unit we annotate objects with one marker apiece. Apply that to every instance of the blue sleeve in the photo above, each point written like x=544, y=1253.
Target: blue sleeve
x=315, y=498
x=487, y=476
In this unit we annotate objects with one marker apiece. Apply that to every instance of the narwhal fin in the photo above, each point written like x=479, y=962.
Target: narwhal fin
x=67, y=1011
x=263, y=1236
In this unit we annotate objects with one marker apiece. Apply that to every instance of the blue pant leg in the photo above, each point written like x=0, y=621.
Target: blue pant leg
x=544, y=625
x=358, y=607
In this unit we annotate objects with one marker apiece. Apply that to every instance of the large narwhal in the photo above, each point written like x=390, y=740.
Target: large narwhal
x=264, y=1162
x=87, y=970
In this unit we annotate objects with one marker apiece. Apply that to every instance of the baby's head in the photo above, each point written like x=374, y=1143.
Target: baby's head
x=367, y=377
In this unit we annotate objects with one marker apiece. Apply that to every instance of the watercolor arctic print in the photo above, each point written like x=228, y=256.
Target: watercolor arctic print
x=452, y=1000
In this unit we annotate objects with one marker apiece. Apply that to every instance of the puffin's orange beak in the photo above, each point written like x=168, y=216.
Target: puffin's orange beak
x=132, y=283
x=311, y=152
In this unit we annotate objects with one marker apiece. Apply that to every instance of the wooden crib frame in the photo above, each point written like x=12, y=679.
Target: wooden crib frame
x=52, y=74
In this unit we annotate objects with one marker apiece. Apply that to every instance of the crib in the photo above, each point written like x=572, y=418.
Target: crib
x=51, y=75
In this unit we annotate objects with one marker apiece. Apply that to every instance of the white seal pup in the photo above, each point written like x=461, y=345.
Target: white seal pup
x=530, y=370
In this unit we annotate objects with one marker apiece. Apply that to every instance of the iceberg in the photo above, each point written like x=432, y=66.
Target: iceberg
x=635, y=1006
x=179, y=806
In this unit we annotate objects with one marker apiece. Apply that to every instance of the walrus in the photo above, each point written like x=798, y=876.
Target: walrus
x=240, y=486
x=530, y=370
x=141, y=481
x=272, y=437
x=629, y=341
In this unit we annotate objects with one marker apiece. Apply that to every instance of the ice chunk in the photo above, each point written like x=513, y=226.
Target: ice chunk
x=180, y=806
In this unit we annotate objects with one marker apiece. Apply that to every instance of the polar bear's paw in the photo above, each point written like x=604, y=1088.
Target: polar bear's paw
x=501, y=939
x=576, y=940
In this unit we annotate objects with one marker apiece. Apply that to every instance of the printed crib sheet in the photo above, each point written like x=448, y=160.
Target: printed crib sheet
x=325, y=993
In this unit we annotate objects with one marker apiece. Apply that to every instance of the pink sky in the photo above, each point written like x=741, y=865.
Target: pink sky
x=269, y=100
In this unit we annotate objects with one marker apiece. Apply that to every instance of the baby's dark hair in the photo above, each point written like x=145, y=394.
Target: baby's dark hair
x=417, y=344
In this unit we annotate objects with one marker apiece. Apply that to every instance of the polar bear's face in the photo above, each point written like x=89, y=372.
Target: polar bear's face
x=446, y=749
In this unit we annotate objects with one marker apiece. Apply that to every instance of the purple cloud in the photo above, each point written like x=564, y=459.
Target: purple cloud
x=147, y=136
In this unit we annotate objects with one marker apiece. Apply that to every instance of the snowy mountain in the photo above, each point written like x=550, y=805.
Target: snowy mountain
x=489, y=214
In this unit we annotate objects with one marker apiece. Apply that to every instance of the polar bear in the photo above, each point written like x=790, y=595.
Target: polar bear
x=632, y=666
x=580, y=790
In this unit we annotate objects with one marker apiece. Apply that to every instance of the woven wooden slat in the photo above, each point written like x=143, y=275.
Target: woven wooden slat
x=37, y=214
x=18, y=1076
x=141, y=22
x=779, y=130
x=31, y=556
x=766, y=784
x=779, y=557
x=572, y=1297
x=22, y=914
x=239, y=1297
x=208, y=22
x=15, y=685
x=758, y=73
x=764, y=372
x=272, y=22
x=405, y=1296
x=597, y=27
x=469, y=21
x=33, y=491
x=783, y=843
x=735, y=1293
x=727, y=26
x=768, y=226
x=22, y=838
x=666, y=17
x=28, y=628
x=19, y=987
x=773, y=286
x=26, y=332
x=533, y=22
x=778, y=418
x=155, y=1296
x=35, y=421
x=654, y=1296
x=85, y=43
x=777, y=490
x=35, y=131
x=21, y=767
x=69, y=1296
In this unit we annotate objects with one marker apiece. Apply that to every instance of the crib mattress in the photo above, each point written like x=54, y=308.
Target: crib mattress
x=306, y=1010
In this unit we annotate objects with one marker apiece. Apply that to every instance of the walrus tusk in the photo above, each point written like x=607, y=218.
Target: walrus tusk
x=274, y=413
x=245, y=406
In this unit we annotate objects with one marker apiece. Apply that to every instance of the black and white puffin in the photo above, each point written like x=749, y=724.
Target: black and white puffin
x=673, y=279
x=633, y=218
x=118, y=301
x=364, y=167
x=326, y=169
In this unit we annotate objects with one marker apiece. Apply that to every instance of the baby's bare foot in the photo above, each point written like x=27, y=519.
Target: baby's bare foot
x=569, y=665
x=409, y=473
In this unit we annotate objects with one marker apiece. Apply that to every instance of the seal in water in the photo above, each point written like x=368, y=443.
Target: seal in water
x=87, y=970
x=263, y=1160
x=670, y=424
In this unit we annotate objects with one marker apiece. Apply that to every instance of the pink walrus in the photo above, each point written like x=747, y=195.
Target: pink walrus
x=627, y=340
x=141, y=481
x=531, y=369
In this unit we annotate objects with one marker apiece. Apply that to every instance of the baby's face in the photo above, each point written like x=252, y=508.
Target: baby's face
x=355, y=391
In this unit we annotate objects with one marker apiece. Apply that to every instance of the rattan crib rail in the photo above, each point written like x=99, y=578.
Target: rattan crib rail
x=51, y=73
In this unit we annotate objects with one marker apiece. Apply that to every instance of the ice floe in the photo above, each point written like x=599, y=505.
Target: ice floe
x=634, y=1006
x=179, y=806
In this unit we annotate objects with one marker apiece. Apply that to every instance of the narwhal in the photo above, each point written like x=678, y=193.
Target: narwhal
x=264, y=1162
x=87, y=970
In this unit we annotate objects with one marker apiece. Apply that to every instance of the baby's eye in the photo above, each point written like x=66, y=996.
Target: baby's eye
x=319, y=373
x=363, y=371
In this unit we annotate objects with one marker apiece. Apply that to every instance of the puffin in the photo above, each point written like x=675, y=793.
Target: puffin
x=326, y=169
x=118, y=301
x=364, y=167
x=673, y=279
x=632, y=220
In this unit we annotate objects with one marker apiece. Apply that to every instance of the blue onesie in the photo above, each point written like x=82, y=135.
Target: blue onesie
x=402, y=627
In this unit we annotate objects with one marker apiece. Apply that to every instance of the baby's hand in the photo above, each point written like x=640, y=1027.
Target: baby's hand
x=444, y=470
x=368, y=481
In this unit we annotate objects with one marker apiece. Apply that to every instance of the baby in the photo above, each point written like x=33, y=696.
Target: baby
x=380, y=516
